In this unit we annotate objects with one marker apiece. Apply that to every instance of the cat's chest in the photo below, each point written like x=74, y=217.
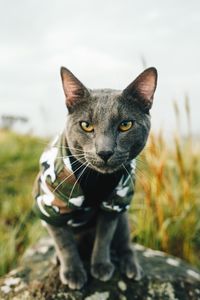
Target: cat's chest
x=96, y=186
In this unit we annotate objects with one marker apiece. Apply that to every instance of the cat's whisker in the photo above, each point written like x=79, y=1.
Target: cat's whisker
x=141, y=173
x=81, y=158
x=71, y=163
x=93, y=160
x=73, y=173
x=76, y=149
x=139, y=160
x=65, y=156
x=78, y=179
x=85, y=155
x=121, y=158
x=70, y=148
x=141, y=176
x=77, y=157
x=130, y=175
x=89, y=172
x=62, y=146
x=75, y=162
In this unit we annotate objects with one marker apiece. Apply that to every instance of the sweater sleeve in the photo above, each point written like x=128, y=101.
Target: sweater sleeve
x=56, y=193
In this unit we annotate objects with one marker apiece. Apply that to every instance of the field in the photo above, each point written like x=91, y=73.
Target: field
x=166, y=208
x=164, y=214
x=18, y=226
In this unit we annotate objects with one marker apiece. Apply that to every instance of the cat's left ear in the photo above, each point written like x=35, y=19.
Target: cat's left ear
x=74, y=90
x=142, y=88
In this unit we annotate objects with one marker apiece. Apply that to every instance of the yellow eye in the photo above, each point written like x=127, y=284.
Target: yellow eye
x=86, y=126
x=125, y=125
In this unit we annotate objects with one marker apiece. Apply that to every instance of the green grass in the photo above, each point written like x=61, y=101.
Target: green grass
x=164, y=214
x=19, y=165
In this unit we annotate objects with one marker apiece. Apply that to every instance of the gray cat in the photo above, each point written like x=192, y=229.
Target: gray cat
x=87, y=176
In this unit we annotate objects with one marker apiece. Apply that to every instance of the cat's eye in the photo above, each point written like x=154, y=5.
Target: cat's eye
x=125, y=126
x=86, y=126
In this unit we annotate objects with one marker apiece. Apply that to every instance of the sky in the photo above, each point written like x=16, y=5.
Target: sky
x=106, y=44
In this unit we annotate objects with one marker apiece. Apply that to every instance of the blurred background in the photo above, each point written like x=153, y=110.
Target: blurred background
x=106, y=44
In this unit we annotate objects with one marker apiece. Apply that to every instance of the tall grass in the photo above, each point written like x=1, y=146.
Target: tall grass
x=18, y=226
x=166, y=209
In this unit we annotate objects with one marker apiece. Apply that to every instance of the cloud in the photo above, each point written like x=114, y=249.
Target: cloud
x=102, y=42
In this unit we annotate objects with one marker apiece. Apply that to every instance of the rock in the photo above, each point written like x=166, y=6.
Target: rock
x=37, y=277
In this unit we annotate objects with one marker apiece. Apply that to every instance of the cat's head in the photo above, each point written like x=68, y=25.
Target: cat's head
x=108, y=128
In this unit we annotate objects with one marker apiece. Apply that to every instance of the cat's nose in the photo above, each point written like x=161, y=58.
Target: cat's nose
x=105, y=155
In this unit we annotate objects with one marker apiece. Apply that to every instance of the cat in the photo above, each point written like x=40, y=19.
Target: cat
x=87, y=176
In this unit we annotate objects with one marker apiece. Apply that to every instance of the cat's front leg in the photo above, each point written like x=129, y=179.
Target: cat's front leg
x=101, y=266
x=128, y=262
x=72, y=272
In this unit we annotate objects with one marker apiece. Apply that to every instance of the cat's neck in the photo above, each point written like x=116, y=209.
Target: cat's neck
x=94, y=183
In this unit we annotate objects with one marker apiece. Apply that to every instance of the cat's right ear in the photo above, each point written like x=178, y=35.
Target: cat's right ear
x=74, y=90
x=142, y=89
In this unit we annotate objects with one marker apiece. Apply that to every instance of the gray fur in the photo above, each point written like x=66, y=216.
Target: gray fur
x=105, y=109
x=72, y=271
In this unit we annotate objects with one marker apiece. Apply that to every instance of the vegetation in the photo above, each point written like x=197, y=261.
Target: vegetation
x=18, y=226
x=166, y=207
x=164, y=214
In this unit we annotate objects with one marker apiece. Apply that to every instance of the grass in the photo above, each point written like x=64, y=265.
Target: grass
x=166, y=207
x=19, y=165
x=164, y=214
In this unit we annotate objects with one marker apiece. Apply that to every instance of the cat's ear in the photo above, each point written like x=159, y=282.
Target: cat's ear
x=142, y=88
x=74, y=90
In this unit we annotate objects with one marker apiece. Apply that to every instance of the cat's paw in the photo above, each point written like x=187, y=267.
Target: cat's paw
x=102, y=271
x=130, y=267
x=74, y=278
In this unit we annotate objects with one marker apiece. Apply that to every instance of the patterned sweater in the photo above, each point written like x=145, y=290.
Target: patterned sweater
x=61, y=200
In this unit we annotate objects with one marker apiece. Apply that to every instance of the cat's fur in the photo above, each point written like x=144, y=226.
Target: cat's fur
x=105, y=109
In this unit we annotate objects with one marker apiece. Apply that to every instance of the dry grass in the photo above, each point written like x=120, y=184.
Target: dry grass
x=166, y=206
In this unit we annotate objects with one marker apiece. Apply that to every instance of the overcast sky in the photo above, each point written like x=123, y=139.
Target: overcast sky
x=105, y=44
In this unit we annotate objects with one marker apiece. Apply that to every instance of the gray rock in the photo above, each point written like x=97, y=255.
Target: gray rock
x=166, y=278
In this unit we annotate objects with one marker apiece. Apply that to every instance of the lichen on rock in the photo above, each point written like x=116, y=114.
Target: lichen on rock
x=37, y=278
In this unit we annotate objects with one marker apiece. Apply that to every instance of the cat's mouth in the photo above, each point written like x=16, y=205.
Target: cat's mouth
x=112, y=165
x=104, y=167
